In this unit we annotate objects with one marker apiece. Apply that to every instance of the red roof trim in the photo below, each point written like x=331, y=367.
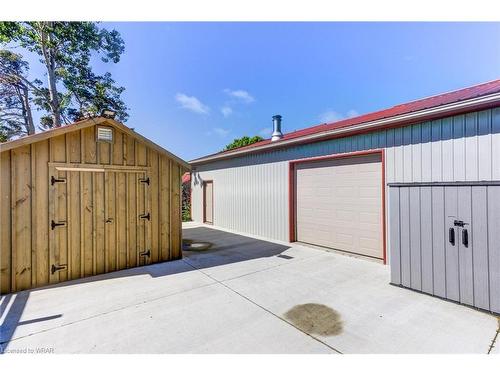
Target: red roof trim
x=468, y=93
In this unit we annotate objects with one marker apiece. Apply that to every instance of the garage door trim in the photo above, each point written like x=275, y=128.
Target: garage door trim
x=292, y=189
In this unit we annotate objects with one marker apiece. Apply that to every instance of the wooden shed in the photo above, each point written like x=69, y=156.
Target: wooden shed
x=86, y=199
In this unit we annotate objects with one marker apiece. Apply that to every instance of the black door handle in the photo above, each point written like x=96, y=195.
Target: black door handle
x=451, y=236
x=465, y=237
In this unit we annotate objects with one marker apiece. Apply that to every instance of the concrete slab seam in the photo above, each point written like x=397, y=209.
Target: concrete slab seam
x=267, y=310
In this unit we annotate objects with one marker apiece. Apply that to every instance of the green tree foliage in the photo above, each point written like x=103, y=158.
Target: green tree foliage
x=243, y=141
x=66, y=49
x=15, y=108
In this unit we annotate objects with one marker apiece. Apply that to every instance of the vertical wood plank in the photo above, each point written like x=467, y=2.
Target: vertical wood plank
x=129, y=150
x=61, y=249
x=53, y=236
x=141, y=154
x=439, y=241
x=40, y=219
x=74, y=147
x=110, y=221
x=87, y=223
x=479, y=240
x=21, y=217
x=164, y=203
x=121, y=219
x=89, y=148
x=154, y=205
x=141, y=223
x=99, y=210
x=74, y=226
x=132, y=219
x=5, y=219
x=104, y=152
x=175, y=219
x=118, y=147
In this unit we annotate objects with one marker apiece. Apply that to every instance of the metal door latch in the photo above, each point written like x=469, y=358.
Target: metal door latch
x=54, y=180
x=53, y=224
x=144, y=180
x=55, y=268
x=458, y=223
x=145, y=216
x=145, y=253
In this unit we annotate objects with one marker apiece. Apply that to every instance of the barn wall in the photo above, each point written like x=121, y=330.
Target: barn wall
x=251, y=192
x=28, y=247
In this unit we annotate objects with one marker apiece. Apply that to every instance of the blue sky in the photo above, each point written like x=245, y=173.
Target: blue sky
x=193, y=87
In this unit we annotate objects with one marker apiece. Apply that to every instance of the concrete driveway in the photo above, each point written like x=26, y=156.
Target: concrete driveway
x=244, y=295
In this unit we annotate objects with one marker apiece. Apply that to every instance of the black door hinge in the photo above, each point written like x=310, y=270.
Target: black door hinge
x=53, y=224
x=145, y=216
x=145, y=253
x=54, y=180
x=144, y=180
x=55, y=268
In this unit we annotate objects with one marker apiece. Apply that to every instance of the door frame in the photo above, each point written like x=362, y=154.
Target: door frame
x=292, y=190
x=205, y=202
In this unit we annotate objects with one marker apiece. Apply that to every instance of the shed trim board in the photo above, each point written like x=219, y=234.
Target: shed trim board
x=292, y=190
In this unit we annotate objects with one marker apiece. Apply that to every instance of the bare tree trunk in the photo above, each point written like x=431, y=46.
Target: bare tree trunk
x=51, y=78
x=28, y=116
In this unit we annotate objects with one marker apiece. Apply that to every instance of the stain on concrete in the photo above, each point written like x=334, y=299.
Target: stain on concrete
x=193, y=245
x=314, y=318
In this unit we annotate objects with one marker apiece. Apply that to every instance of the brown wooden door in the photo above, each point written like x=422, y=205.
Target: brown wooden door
x=100, y=221
x=208, y=202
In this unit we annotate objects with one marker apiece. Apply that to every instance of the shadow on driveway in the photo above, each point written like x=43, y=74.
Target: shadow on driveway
x=226, y=248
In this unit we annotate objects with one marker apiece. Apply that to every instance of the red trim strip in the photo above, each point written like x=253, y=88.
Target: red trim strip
x=251, y=149
x=291, y=189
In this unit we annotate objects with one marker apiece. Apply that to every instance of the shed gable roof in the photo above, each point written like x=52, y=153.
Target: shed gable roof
x=85, y=124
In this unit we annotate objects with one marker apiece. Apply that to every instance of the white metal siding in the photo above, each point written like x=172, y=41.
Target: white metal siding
x=251, y=192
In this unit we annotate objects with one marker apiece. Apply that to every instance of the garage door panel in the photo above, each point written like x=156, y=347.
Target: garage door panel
x=338, y=204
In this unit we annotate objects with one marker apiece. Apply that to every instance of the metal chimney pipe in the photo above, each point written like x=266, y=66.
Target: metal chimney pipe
x=277, y=134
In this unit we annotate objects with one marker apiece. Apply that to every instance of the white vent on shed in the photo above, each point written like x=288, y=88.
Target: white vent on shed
x=105, y=134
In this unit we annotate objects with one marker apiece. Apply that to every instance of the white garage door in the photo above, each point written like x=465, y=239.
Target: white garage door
x=339, y=204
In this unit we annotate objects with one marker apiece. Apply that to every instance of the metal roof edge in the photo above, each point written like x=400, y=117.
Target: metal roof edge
x=481, y=102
